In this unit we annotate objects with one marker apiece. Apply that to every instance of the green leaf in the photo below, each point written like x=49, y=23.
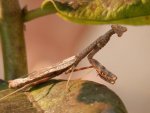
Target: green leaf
x=81, y=97
x=132, y=12
x=52, y=97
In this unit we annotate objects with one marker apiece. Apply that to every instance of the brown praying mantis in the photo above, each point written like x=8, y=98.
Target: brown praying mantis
x=69, y=64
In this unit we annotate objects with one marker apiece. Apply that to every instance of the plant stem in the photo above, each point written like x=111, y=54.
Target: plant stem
x=39, y=12
x=12, y=37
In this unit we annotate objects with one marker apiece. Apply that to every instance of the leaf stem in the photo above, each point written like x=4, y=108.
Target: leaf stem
x=39, y=12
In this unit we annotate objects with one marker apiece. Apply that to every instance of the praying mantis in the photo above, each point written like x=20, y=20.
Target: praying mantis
x=69, y=64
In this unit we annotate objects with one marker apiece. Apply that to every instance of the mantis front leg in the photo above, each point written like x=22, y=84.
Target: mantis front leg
x=101, y=70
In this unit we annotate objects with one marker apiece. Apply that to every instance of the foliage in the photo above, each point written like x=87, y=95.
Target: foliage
x=133, y=12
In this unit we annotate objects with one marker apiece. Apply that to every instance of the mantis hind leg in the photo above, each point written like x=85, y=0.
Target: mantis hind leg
x=69, y=78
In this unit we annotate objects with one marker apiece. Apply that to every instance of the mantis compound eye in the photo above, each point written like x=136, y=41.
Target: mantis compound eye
x=118, y=29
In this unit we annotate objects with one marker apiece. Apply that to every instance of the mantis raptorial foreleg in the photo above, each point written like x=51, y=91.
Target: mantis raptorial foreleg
x=101, y=70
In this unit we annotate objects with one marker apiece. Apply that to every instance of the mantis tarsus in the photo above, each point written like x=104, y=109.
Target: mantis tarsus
x=66, y=65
